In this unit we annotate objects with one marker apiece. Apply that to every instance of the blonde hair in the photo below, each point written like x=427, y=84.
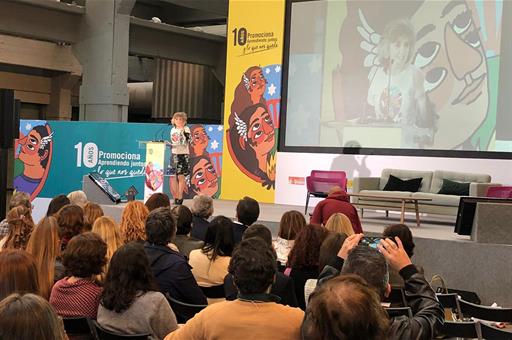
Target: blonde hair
x=92, y=212
x=78, y=197
x=20, y=227
x=179, y=115
x=108, y=230
x=44, y=247
x=339, y=223
x=133, y=221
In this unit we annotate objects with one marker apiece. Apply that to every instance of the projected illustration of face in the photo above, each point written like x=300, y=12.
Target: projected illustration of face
x=450, y=54
x=204, y=178
x=261, y=131
x=29, y=153
x=257, y=85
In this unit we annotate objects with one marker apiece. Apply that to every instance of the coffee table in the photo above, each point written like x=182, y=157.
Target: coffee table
x=407, y=203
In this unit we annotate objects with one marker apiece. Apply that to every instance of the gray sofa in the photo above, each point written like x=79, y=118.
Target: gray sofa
x=430, y=185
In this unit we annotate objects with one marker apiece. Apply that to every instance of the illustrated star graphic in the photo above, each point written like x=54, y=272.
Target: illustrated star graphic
x=272, y=89
x=277, y=68
x=214, y=145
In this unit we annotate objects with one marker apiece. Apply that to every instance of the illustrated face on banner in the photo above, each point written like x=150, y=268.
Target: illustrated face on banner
x=203, y=177
x=200, y=140
x=34, y=152
x=257, y=84
x=451, y=55
x=251, y=141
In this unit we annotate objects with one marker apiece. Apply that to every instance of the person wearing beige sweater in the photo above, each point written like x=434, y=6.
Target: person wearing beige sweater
x=255, y=314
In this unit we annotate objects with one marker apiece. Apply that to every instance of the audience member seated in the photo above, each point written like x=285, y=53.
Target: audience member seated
x=336, y=202
x=92, y=212
x=133, y=221
x=18, y=273
x=404, y=234
x=71, y=223
x=109, y=232
x=170, y=268
x=345, y=308
x=183, y=241
x=210, y=264
x=202, y=210
x=247, y=212
x=21, y=226
x=29, y=317
x=19, y=198
x=79, y=294
x=44, y=247
x=77, y=197
x=282, y=286
x=255, y=314
x=371, y=265
x=339, y=223
x=303, y=259
x=158, y=200
x=131, y=302
x=56, y=204
x=328, y=250
x=290, y=225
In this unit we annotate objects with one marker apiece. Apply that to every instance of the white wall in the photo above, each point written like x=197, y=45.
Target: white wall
x=291, y=164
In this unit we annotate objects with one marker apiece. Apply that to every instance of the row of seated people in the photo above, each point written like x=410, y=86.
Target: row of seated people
x=122, y=297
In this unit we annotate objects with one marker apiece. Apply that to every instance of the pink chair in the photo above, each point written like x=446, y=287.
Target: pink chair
x=320, y=182
x=499, y=192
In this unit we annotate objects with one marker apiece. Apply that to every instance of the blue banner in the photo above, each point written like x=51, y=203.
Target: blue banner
x=51, y=157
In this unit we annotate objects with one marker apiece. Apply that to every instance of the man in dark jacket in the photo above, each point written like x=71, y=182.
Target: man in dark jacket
x=336, y=202
x=170, y=268
x=371, y=266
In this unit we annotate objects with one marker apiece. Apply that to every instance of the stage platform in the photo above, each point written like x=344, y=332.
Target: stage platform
x=466, y=265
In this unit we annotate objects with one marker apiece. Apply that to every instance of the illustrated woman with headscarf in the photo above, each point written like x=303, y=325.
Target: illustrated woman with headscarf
x=251, y=143
x=35, y=154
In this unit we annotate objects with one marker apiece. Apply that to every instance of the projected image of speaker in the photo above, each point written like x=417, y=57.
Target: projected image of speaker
x=99, y=190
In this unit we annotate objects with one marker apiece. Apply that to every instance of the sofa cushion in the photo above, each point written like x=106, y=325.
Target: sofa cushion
x=437, y=199
x=380, y=193
x=407, y=174
x=439, y=175
x=454, y=188
x=397, y=184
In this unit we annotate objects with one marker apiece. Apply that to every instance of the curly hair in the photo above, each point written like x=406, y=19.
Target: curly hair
x=306, y=248
x=291, y=224
x=85, y=255
x=133, y=221
x=20, y=227
x=253, y=266
x=128, y=276
x=20, y=198
x=71, y=221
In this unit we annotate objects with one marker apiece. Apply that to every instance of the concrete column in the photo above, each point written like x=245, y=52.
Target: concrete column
x=60, y=97
x=103, y=53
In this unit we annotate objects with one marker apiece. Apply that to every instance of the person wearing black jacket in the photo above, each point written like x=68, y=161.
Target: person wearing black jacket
x=247, y=212
x=428, y=315
x=170, y=268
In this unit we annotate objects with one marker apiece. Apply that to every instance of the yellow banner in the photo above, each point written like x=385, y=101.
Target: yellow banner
x=252, y=99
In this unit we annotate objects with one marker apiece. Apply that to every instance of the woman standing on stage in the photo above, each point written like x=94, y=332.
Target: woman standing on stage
x=180, y=139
